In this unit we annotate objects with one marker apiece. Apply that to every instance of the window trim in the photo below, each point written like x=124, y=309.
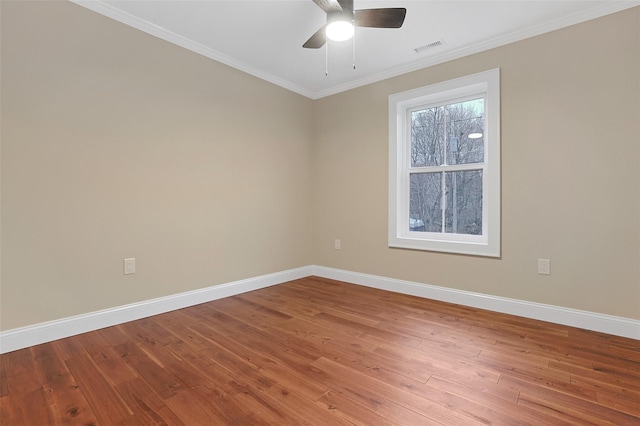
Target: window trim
x=486, y=84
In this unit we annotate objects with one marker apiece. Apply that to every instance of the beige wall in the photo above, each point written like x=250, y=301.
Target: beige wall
x=570, y=173
x=117, y=144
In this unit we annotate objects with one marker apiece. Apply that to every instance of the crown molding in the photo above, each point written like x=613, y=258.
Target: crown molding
x=99, y=6
x=557, y=24
x=109, y=11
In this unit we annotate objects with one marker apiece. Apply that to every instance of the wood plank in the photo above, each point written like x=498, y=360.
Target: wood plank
x=250, y=312
x=352, y=412
x=63, y=393
x=373, y=393
x=265, y=367
x=492, y=397
x=201, y=407
x=278, y=405
x=147, y=406
x=401, y=415
x=566, y=406
x=4, y=389
x=440, y=363
x=628, y=404
x=177, y=322
x=163, y=383
x=17, y=362
x=300, y=308
x=26, y=403
x=113, y=367
x=597, y=381
x=105, y=402
x=359, y=355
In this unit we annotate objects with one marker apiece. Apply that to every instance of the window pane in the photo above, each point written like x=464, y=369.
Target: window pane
x=427, y=137
x=425, y=211
x=465, y=130
x=463, y=213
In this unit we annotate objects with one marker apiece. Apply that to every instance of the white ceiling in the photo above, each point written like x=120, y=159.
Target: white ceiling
x=264, y=38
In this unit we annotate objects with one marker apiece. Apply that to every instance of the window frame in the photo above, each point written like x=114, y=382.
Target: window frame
x=485, y=84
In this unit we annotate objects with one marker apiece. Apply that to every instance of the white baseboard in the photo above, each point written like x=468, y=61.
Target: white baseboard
x=19, y=338
x=609, y=324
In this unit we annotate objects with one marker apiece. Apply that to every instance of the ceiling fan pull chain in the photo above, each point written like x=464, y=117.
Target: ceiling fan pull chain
x=354, y=50
x=326, y=59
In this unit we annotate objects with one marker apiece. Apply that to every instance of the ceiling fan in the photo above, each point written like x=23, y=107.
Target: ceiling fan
x=342, y=18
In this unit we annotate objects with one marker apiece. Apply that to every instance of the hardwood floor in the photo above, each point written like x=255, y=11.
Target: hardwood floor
x=321, y=352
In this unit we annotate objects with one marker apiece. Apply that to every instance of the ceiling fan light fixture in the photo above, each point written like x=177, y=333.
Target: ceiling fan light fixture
x=342, y=19
x=340, y=30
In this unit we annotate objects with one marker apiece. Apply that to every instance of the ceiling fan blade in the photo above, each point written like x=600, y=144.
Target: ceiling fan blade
x=329, y=5
x=346, y=4
x=380, y=18
x=317, y=40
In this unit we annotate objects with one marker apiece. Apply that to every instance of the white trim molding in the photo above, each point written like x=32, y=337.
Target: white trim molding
x=104, y=8
x=23, y=337
x=111, y=11
x=619, y=326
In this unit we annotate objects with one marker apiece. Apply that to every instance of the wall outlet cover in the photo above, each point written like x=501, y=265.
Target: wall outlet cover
x=130, y=266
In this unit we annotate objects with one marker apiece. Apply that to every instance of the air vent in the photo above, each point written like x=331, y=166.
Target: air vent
x=431, y=45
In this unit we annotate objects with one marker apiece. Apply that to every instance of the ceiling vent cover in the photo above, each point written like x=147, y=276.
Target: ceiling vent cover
x=431, y=45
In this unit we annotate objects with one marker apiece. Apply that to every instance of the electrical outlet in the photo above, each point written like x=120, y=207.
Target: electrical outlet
x=544, y=267
x=336, y=244
x=130, y=266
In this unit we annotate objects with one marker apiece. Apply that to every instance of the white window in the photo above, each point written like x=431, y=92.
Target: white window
x=444, y=166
